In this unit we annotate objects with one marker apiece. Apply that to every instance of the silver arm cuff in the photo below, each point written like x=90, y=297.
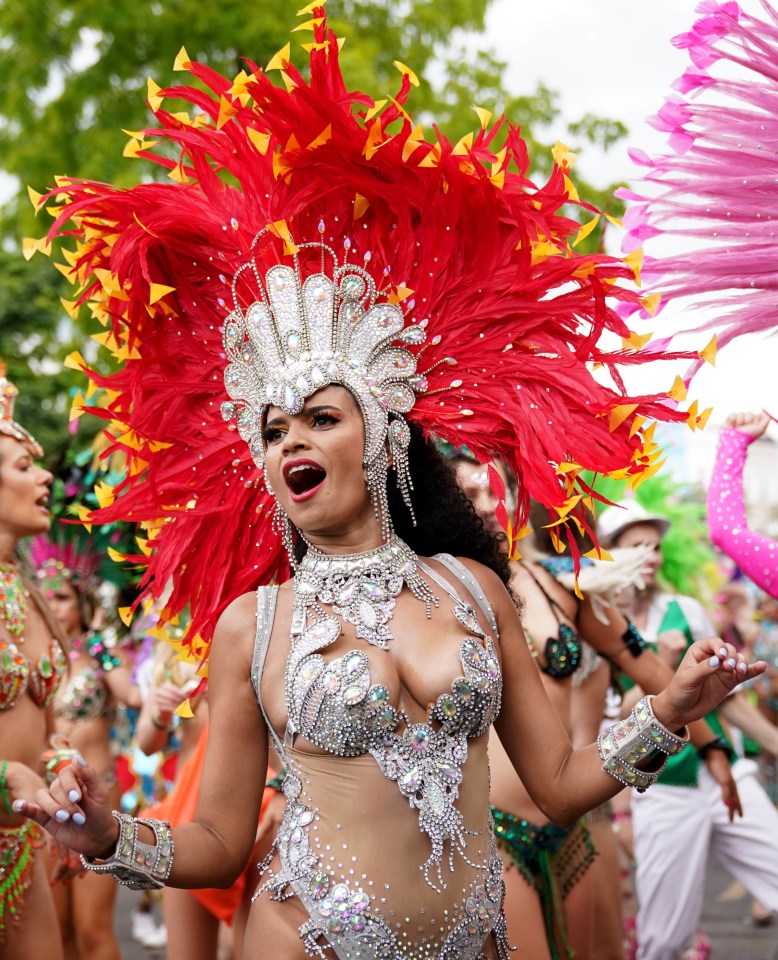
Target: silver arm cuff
x=640, y=739
x=135, y=864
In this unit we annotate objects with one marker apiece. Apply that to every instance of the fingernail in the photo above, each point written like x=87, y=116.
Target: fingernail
x=714, y=662
x=62, y=815
x=74, y=796
x=79, y=819
x=723, y=652
x=743, y=667
x=732, y=662
x=81, y=761
x=18, y=805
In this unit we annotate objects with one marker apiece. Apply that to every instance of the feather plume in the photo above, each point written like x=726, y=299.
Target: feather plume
x=716, y=189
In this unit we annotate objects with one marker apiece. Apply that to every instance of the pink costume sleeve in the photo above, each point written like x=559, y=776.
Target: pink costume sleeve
x=755, y=554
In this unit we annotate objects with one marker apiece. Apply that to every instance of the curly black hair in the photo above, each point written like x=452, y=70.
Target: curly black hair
x=446, y=521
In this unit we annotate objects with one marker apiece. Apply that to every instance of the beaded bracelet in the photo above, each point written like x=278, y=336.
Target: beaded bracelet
x=6, y=800
x=642, y=739
x=57, y=757
x=135, y=864
x=633, y=642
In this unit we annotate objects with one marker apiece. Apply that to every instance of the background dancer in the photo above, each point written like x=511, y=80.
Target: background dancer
x=33, y=664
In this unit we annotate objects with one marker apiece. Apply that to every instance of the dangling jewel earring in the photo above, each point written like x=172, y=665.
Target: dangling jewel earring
x=399, y=441
x=376, y=473
x=283, y=526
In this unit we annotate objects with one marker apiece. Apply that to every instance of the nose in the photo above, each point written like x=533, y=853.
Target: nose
x=46, y=477
x=294, y=438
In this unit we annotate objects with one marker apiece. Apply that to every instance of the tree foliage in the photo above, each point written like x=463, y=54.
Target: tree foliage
x=73, y=77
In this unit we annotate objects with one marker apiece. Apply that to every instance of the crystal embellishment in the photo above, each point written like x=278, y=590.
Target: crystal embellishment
x=301, y=333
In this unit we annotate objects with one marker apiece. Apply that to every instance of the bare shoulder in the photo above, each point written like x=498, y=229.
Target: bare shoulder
x=489, y=582
x=235, y=617
x=234, y=633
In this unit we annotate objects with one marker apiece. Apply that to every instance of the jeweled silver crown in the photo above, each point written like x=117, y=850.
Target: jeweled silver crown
x=303, y=334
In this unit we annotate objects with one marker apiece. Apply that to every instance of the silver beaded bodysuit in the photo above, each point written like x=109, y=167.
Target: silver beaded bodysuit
x=387, y=839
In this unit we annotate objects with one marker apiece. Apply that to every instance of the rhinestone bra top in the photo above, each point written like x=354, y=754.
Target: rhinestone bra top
x=19, y=676
x=335, y=706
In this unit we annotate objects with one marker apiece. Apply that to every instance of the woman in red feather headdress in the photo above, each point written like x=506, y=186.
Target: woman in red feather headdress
x=336, y=286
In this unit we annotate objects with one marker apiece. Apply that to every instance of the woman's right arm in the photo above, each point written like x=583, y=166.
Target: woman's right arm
x=214, y=849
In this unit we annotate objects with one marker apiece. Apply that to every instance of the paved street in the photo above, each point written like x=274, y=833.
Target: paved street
x=726, y=907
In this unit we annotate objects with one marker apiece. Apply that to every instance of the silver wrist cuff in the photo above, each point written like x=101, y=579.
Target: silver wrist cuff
x=640, y=739
x=135, y=864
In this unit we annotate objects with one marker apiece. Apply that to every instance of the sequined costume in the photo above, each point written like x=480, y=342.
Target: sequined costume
x=551, y=859
x=18, y=846
x=755, y=554
x=85, y=696
x=440, y=893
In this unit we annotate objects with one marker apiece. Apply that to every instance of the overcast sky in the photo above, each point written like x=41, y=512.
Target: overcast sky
x=614, y=58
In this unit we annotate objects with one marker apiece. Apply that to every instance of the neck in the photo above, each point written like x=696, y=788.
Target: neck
x=8, y=544
x=360, y=540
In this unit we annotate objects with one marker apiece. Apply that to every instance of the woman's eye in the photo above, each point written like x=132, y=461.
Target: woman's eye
x=272, y=434
x=324, y=420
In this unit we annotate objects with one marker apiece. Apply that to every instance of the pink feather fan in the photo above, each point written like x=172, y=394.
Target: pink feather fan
x=717, y=190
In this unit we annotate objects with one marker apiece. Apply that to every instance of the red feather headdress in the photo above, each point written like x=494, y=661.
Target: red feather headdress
x=455, y=234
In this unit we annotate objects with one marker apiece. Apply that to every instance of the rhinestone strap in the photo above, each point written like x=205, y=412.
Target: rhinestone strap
x=640, y=739
x=135, y=864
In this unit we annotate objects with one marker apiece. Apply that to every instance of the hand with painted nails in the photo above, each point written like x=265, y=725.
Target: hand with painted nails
x=75, y=810
x=22, y=781
x=709, y=671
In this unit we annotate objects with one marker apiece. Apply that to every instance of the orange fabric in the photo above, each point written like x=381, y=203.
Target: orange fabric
x=179, y=806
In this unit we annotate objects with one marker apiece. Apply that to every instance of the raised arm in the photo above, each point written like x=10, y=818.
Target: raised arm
x=755, y=554
x=214, y=849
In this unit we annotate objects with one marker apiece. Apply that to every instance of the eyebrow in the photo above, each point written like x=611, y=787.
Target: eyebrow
x=309, y=412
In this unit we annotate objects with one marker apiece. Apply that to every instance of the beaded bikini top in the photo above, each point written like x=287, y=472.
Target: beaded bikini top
x=19, y=676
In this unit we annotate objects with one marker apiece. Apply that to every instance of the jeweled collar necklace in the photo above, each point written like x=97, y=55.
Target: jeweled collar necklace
x=361, y=588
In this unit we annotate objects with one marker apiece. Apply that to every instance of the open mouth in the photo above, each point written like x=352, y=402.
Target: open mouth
x=43, y=502
x=303, y=478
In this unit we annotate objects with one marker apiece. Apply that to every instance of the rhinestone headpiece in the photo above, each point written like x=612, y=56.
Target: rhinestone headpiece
x=305, y=333
x=8, y=426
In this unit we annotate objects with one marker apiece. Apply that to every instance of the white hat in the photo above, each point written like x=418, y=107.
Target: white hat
x=625, y=514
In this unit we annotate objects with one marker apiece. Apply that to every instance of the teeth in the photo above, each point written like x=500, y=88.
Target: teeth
x=297, y=469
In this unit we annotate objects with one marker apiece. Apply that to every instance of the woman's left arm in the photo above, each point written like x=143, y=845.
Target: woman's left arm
x=563, y=782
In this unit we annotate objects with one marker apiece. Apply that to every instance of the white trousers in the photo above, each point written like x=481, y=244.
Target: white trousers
x=675, y=828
